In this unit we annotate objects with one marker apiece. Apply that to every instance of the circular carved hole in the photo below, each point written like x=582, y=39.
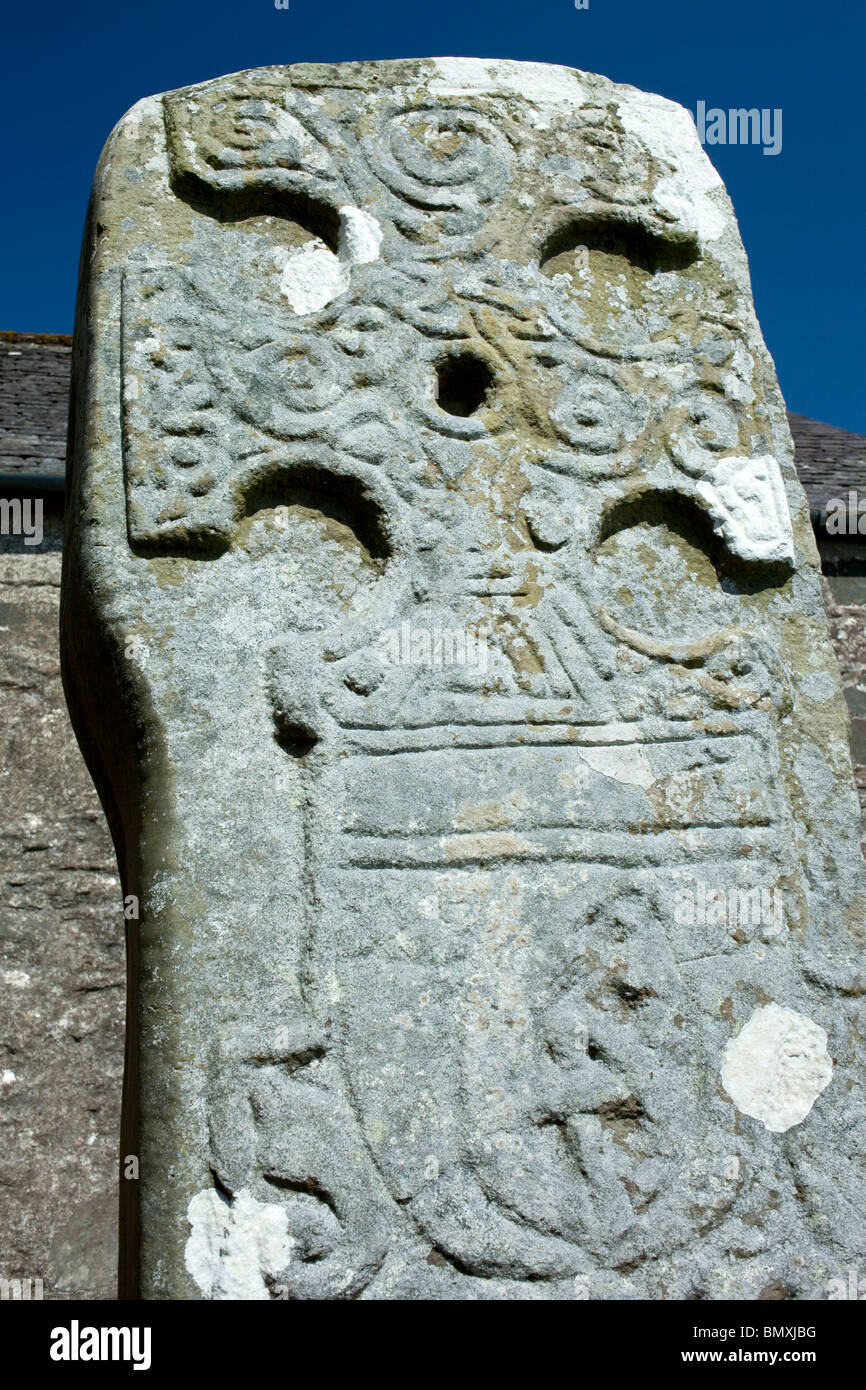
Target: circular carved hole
x=463, y=382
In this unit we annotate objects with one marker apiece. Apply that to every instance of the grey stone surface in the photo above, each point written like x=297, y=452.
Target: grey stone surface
x=61, y=963
x=535, y=975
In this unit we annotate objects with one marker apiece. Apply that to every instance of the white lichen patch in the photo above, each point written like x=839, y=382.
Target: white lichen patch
x=18, y=979
x=147, y=109
x=776, y=1067
x=233, y=1245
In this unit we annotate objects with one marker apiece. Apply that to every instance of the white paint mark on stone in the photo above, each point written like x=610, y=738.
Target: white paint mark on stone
x=746, y=499
x=313, y=275
x=8, y=1078
x=776, y=1067
x=630, y=766
x=360, y=236
x=669, y=133
x=541, y=83
x=234, y=1244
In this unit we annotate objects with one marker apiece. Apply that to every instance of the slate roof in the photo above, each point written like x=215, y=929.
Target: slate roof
x=829, y=461
x=34, y=388
x=34, y=396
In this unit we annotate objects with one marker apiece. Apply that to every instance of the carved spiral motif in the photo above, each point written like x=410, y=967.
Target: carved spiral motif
x=443, y=160
x=711, y=429
x=597, y=416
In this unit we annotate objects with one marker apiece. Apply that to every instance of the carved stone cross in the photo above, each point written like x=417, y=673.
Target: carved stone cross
x=442, y=625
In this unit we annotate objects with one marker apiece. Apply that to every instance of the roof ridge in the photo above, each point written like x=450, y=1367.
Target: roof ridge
x=9, y=335
x=825, y=425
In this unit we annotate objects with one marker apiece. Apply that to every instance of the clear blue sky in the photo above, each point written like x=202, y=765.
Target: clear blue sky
x=70, y=70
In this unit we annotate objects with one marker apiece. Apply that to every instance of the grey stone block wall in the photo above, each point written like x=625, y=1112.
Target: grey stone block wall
x=845, y=601
x=61, y=964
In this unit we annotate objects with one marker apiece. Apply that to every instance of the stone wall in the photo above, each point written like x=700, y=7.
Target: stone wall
x=61, y=963
x=845, y=601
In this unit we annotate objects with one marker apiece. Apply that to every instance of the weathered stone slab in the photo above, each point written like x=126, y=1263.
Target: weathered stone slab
x=443, y=627
x=61, y=962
